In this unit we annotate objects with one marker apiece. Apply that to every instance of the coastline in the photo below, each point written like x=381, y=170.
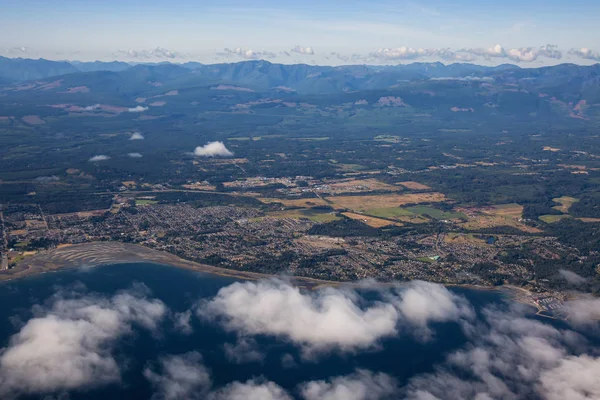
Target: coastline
x=105, y=253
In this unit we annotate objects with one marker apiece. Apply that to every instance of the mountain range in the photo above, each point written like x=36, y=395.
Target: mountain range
x=566, y=79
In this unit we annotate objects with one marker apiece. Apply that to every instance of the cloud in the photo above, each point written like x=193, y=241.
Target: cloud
x=251, y=390
x=511, y=356
x=522, y=54
x=134, y=155
x=158, y=52
x=245, y=350
x=137, y=109
x=585, y=53
x=212, y=149
x=248, y=54
x=362, y=385
x=399, y=53
x=180, y=377
x=136, y=136
x=583, y=311
x=17, y=50
x=330, y=319
x=183, y=322
x=572, y=277
x=68, y=344
x=100, y=157
x=92, y=107
x=303, y=50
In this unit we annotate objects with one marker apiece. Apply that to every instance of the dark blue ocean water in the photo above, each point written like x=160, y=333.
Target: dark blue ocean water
x=179, y=289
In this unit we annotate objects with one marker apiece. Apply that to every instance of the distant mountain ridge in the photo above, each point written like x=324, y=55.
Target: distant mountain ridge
x=262, y=75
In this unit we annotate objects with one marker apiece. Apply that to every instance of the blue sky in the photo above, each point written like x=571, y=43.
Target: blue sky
x=528, y=32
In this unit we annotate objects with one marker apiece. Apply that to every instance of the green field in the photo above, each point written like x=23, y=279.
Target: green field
x=388, y=212
x=143, y=202
x=550, y=219
x=434, y=212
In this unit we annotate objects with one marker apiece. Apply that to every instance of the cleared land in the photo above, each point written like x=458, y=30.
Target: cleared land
x=550, y=218
x=371, y=221
x=313, y=215
x=296, y=203
x=565, y=203
x=363, y=203
x=414, y=185
x=357, y=186
x=500, y=215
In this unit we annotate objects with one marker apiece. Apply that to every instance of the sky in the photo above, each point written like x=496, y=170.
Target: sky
x=325, y=32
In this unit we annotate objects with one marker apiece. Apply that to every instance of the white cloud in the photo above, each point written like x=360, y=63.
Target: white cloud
x=399, y=53
x=181, y=377
x=100, y=157
x=18, y=50
x=182, y=322
x=583, y=311
x=251, y=390
x=585, y=53
x=68, y=344
x=510, y=356
x=158, y=52
x=136, y=136
x=330, y=319
x=134, y=155
x=245, y=350
x=575, y=378
x=248, y=54
x=362, y=385
x=303, y=50
x=92, y=107
x=572, y=277
x=137, y=109
x=522, y=54
x=212, y=149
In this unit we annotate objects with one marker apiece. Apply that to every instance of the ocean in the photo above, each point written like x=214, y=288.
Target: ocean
x=401, y=356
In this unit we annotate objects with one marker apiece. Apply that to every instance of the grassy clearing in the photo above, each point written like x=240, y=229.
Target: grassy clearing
x=313, y=215
x=302, y=203
x=565, y=203
x=435, y=213
x=388, y=212
x=370, y=202
x=143, y=202
x=371, y=221
x=550, y=219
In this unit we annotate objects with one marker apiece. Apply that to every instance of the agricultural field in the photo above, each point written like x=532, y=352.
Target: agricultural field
x=296, y=203
x=565, y=202
x=313, y=215
x=356, y=186
x=371, y=221
x=414, y=185
x=363, y=203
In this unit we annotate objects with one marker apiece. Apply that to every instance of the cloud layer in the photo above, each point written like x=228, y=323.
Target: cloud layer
x=69, y=343
x=212, y=149
x=330, y=318
x=513, y=357
x=179, y=377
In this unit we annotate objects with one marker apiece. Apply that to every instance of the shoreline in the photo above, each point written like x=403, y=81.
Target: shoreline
x=95, y=254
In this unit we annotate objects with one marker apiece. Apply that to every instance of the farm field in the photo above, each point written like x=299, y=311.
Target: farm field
x=363, y=203
x=565, y=202
x=371, y=221
x=313, y=215
x=296, y=203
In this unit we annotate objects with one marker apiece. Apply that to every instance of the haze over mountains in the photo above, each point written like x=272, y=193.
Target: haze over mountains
x=263, y=75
